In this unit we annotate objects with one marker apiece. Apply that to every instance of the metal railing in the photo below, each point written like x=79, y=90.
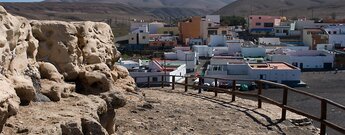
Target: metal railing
x=259, y=96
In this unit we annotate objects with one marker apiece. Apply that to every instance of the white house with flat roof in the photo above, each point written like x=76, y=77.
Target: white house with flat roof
x=238, y=68
x=306, y=60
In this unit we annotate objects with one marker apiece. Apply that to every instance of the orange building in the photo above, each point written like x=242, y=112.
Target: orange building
x=190, y=29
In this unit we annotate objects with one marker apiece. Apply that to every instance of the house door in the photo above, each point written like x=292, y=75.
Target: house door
x=327, y=66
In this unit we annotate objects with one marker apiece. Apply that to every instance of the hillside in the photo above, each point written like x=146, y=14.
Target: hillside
x=119, y=14
x=75, y=11
x=200, y=4
x=290, y=8
x=178, y=112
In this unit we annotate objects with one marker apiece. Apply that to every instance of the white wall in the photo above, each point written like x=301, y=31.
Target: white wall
x=202, y=50
x=309, y=62
x=154, y=26
x=337, y=39
x=234, y=48
x=253, y=52
x=217, y=51
x=329, y=47
x=275, y=75
x=217, y=41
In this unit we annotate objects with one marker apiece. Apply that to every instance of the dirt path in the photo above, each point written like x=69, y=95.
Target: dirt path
x=176, y=112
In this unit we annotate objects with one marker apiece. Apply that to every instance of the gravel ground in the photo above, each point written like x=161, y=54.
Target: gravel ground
x=325, y=84
x=175, y=112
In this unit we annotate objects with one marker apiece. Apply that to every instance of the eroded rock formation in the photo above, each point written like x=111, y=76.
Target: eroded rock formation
x=63, y=75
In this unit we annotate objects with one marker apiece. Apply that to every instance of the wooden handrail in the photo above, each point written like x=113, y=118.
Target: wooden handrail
x=284, y=105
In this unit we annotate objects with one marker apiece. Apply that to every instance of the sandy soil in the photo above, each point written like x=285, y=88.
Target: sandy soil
x=176, y=112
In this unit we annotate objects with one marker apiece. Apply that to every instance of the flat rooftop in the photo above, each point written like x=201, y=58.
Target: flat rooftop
x=272, y=66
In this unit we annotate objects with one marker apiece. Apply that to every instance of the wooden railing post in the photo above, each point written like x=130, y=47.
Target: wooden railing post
x=285, y=98
x=323, y=116
x=162, y=81
x=215, y=85
x=148, y=82
x=200, y=83
x=233, y=99
x=186, y=84
x=173, y=83
x=259, y=95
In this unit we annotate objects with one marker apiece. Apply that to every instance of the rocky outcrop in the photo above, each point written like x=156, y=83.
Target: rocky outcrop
x=49, y=66
x=69, y=46
x=9, y=102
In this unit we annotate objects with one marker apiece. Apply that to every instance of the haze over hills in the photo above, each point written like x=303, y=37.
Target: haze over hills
x=290, y=8
x=200, y=4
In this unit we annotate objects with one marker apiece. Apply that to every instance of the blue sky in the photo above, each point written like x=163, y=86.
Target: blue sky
x=20, y=0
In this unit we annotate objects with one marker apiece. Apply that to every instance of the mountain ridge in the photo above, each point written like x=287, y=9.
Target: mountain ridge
x=198, y=4
x=289, y=8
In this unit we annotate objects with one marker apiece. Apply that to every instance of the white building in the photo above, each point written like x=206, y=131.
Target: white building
x=139, y=27
x=154, y=26
x=237, y=68
x=306, y=60
x=156, y=69
x=336, y=35
x=187, y=57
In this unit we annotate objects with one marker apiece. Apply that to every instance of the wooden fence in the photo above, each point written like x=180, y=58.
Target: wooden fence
x=258, y=96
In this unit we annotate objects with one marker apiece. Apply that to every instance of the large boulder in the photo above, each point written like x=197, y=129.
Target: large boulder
x=24, y=89
x=70, y=46
x=58, y=44
x=9, y=101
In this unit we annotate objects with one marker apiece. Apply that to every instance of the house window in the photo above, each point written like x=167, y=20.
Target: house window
x=263, y=77
x=259, y=17
x=329, y=32
x=258, y=24
x=209, y=24
x=250, y=17
x=212, y=32
x=334, y=32
x=144, y=37
x=277, y=31
x=132, y=38
x=154, y=79
x=268, y=25
x=285, y=31
x=224, y=32
x=141, y=31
